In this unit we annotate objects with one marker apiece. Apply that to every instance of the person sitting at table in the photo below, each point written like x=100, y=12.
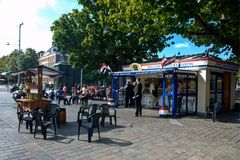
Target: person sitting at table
x=74, y=98
x=84, y=94
x=60, y=95
x=64, y=91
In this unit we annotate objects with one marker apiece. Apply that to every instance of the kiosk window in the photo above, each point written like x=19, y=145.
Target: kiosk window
x=169, y=79
x=191, y=84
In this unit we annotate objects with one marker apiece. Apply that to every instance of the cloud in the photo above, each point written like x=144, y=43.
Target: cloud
x=182, y=45
x=35, y=32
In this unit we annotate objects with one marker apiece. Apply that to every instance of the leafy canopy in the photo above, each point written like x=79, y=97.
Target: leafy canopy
x=213, y=23
x=28, y=59
x=93, y=36
x=120, y=32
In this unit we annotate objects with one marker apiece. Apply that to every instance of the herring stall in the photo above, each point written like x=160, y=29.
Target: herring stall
x=187, y=85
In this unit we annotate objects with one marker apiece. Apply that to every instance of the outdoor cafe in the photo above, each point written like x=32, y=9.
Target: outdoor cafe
x=186, y=85
x=44, y=113
x=33, y=80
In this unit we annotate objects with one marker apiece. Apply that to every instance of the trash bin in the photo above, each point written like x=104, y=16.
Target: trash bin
x=163, y=111
x=62, y=115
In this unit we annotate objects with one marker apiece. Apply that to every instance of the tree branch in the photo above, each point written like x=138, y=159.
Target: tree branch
x=217, y=35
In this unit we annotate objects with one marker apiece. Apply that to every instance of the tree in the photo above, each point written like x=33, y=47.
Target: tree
x=91, y=37
x=28, y=60
x=213, y=23
x=120, y=32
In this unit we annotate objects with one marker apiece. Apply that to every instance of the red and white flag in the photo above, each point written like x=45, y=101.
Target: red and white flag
x=169, y=61
x=164, y=60
x=105, y=68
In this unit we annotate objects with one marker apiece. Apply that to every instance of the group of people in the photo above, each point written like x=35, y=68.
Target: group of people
x=81, y=93
x=134, y=96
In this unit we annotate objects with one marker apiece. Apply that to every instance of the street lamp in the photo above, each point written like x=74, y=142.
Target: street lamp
x=18, y=60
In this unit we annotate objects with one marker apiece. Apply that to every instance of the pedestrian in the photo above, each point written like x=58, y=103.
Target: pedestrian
x=74, y=98
x=65, y=93
x=59, y=94
x=84, y=95
x=128, y=95
x=154, y=94
x=138, y=97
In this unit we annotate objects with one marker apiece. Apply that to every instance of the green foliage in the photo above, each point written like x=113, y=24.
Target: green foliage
x=93, y=36
x=213, y=23
x=8, y=63
x=29, y=59
x=120, y=32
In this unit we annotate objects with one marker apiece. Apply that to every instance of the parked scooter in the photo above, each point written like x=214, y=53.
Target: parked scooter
x=18, y=94
x=51, y=95
x=14, y=88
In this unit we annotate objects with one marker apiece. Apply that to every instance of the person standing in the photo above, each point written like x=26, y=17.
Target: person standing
x=154, y=94
x=138, y=97
x=129, y=95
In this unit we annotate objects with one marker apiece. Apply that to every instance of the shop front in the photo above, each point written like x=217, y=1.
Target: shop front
x=185, y=86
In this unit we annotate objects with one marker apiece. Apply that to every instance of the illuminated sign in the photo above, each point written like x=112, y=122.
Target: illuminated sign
x=135, y=67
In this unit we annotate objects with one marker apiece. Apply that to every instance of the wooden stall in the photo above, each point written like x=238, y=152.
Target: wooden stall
x=34, y=87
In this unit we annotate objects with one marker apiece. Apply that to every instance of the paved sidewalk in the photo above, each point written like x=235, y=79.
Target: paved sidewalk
x=141, y=138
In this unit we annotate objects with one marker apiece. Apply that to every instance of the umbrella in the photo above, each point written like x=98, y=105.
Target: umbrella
x=6, y=73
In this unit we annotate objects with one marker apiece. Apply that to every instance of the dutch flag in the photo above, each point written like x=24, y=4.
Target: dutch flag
x=105, y=69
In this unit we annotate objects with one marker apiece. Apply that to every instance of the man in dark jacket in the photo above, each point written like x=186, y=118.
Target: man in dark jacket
x=129, y=95
x=138, y=97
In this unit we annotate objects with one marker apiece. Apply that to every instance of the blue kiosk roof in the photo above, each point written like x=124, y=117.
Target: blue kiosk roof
x=139, y=73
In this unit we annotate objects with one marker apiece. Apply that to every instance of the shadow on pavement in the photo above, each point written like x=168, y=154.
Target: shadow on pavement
x=227, y=117
x=114, y=142
x=150, y=116
x=230, y=117
x=61, y=139
x=71, y=128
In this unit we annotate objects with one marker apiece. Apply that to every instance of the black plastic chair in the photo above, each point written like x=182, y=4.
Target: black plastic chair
x=52, y=113
x=39, y=122
x=25, y=115
x=91, y=122
x=83, y=111
x=87, y=110
x=108, y=111
x=213, y=110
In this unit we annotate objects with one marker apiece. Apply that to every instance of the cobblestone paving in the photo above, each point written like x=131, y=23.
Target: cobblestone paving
x=138, y=138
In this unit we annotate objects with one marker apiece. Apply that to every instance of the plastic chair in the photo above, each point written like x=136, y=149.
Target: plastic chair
x=108, y=111
x=87, y=110
x=25, y=115
x=91, y=122
x=38, y=118
x=52, y=112
x=213, y=110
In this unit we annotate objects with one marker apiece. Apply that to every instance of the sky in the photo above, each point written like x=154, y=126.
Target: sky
x=37, y=17
x=182, y=46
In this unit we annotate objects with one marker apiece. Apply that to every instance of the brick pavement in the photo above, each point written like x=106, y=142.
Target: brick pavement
x=147, y=138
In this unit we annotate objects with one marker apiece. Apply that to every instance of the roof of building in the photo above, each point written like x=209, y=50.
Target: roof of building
x=45, y=71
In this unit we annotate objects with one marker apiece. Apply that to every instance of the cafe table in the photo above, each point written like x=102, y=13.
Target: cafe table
x=30, y=104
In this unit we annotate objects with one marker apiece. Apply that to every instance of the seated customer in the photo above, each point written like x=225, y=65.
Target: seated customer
x=85, y=95
x=65, y=95
x=61, y=94
x=74, y=98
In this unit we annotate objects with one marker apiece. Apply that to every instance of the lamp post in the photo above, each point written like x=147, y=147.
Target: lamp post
x=18, y=60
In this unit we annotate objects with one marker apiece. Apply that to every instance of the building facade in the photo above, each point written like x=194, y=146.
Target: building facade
x=186, y=85
x=49, y=58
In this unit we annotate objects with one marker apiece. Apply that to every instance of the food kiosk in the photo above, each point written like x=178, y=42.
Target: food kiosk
x=34, y=87
x=186, y=84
